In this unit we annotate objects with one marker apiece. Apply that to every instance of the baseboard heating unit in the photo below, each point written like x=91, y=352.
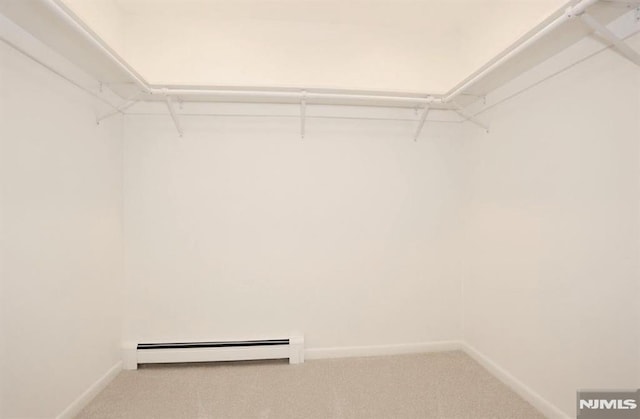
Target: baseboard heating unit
x=244, y=350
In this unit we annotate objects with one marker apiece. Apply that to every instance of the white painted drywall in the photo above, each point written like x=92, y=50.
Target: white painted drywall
x=243, y=230
x=551, y=289
x=60, y=277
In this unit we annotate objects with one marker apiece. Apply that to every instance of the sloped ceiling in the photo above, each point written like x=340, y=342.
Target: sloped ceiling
x=374, y=45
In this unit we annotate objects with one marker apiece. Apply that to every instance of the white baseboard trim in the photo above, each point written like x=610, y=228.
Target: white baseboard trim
x=83, y=400
x=526, y=392
x=378, y=350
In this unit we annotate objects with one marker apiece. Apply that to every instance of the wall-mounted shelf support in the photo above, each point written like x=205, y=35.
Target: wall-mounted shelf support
x=468, y=117
x=423, y=119
x=303, y=113
x=619, y=44
x=173, y=114
x=120, y=109
x=483, y=98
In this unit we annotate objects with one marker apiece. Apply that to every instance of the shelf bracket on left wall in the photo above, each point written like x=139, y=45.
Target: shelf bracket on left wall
x=120, y=109
x=173, y=114
x=303, y=114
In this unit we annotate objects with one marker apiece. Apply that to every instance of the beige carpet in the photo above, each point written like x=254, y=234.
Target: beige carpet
x=435, y=385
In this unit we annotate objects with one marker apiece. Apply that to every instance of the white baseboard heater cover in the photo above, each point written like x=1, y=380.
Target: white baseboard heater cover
x=245, y=350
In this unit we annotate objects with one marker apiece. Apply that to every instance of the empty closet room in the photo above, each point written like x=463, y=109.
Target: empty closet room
x=319, y=209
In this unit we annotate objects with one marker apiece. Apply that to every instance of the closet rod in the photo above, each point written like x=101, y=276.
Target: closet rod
x=572, y=11
x=68, y=16
x=297, y=96
x=546, y=78
x=236, y=115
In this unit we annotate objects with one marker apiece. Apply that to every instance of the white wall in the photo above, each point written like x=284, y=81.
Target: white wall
x=551, y=290
x=242, y=230
x=60, y=207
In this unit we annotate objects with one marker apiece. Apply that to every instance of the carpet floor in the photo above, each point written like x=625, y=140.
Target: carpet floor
x=432, y=385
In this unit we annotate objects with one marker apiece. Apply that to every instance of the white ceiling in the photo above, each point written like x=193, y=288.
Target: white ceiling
x=385, y=45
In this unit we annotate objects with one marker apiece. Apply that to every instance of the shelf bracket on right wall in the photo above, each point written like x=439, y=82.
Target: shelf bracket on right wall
x=468, y=117
x=619, y=44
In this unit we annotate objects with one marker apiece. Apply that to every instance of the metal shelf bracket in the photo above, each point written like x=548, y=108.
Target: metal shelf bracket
x=303, y=113
x=172, y=112
x=468, y=117
x=619, y=44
